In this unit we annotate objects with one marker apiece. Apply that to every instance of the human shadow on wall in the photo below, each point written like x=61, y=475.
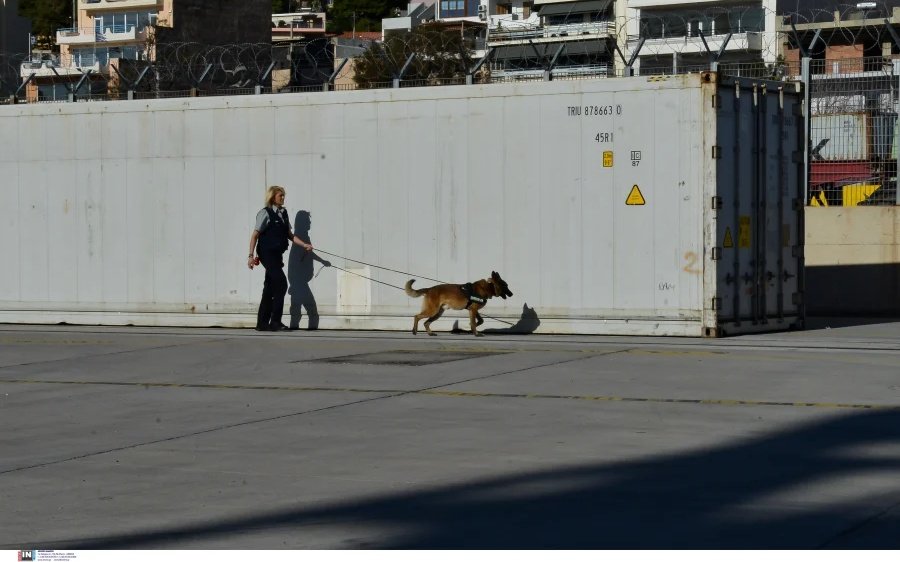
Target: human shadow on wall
x=527, y=324
x=300, y=272
x=736, y=494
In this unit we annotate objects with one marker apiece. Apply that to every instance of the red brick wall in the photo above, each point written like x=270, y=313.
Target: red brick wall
x=843, y=58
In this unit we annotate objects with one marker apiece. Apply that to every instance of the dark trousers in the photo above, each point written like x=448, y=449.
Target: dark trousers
x=275, y=287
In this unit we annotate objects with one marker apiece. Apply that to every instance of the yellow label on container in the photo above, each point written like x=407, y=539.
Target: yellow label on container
x=607, y=159
x=635, y=197
x=729, y=241
x=744, y=232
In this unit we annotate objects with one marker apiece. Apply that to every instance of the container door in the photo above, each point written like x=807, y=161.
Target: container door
x=758, y=207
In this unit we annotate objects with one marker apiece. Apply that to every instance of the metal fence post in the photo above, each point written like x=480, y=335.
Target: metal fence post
x=894, y=152
x=257, y=90
x=806, y=78
x=396, y=83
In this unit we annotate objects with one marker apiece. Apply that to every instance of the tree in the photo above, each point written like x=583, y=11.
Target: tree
x=439, y=54
x=46, y=17
x=367, y=13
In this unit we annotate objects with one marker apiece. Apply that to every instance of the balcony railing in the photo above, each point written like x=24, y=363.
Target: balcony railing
x=90, y=35
x=59, y=65
x=740, y=40
x=544, y=33
x=98, y=5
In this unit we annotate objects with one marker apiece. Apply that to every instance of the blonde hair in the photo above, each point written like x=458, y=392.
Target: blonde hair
x=271, y=192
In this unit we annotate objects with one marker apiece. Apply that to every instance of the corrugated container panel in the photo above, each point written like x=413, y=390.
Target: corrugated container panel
x=661, y=205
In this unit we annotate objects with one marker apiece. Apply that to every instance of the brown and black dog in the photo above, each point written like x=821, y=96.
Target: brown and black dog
x=472, y=296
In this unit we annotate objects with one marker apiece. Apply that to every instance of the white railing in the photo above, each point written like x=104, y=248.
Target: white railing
x=87, y=35
x=524, y=33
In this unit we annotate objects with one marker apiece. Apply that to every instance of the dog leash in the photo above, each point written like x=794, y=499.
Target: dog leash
x=379, y=267
x=382, y=282
x=359, y=275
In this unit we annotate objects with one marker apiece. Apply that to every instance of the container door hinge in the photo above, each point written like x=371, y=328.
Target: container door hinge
x=797, y=298
x=717, y=303
x=716, y=101
x=717, y=202
x=716, y=152
x=716, y=253
x=797, y=251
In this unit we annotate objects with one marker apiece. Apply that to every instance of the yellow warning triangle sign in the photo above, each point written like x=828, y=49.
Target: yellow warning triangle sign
x=635, y=197
x=729, y=241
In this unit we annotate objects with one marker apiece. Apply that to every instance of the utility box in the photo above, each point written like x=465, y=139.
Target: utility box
x=660, y=205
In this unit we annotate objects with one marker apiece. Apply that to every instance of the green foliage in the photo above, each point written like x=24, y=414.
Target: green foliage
x=368, y=14
x=46, y=17
x=440, y=53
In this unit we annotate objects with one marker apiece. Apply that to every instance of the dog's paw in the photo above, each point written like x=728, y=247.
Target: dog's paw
x=432, y=333
x=479, y=335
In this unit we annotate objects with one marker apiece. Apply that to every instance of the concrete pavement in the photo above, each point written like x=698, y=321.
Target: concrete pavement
x=217, y=438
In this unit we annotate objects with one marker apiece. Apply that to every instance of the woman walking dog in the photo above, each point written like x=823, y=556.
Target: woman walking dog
x=270, y=238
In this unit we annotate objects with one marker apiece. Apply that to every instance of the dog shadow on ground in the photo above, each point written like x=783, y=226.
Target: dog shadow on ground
x=300, y=272
x=526, y=324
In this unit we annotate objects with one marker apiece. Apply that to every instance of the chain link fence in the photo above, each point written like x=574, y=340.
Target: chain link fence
x=851, y=71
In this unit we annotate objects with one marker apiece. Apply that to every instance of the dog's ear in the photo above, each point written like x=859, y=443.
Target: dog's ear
x=495, y=287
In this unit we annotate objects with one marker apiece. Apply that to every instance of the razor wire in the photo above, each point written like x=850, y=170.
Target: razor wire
x=854, y=90
x=521, y=46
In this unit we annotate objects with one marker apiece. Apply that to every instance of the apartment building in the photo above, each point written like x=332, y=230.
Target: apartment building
x=298, y=26
x=673, y=35
x=574, y=36
x=109, y=32
x=839, y=37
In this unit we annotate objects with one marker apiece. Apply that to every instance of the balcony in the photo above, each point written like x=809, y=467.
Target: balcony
x=740, y=41
x=56, y=66
x=297, y=25
x=90, y=35
x=520, y=35
x=91, y=6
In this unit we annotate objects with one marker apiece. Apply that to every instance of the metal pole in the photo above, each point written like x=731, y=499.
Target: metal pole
x=805, y=77
x=487, y=27
x=894, y=150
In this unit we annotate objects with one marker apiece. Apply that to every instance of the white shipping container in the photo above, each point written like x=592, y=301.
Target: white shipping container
x=840, y=136
x=646, y=205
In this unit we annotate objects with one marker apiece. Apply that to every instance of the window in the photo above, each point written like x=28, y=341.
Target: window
x=123, y=22
x=453, y=8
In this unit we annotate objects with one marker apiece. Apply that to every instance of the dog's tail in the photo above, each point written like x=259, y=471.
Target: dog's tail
x=414, y=293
